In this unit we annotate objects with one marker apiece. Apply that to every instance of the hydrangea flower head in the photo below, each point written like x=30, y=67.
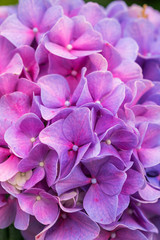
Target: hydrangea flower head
x=80, y=120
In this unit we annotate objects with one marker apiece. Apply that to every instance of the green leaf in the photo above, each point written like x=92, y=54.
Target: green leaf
x=3, y=234
x=14, y=234
x=8, y=2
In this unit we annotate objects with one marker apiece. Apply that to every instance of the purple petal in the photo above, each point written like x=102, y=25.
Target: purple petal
x=34, y=228
x=61, y=32
x=93, y=12
x=143, y=37
x=27, y=87
x=110, y=30
x=30, y=125
x=53, y=137
x=15, y=66
x=27, y=199
x=151, y=136
x=21, y=220
x=54, y=90
x=5, y=214
x=76, y=224
x=37, y=175
x=71, y=7
x=59, y=50
x=6, y=48
x=19, y=136
x=16, y=32
x=149, y=193
x=123, y=203
x=116, y=7
x=4, y=153
x=75, y=179
x=129, y=234
x=30, y=12
x=97, y=82
x=37, y=155
x=51, y=165
x=127, y=71
x=100, y=207
x=8, y=83
x=14, y=105
x=112, y=56
x=124, y=139
x=147, y=113
x=77, y=128
x=134, y=182
x=128, y=48
x=31, y=68
x=114, y=100
x=46, y=209
x=149, y=156
x=110, y=179
x=50, y=17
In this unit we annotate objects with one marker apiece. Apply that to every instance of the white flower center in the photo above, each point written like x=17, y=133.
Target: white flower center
x=93, y=180
x=23, y=174
x=108, y=142
x=41, y=164
x=26, y=69
x=113, y=235
x=98, y=102
x=75, y=148
x=33, y=139
x=38, y=198
x=74, y=73
x=19, y=180
x=69, y=47
x=67, y=103
x=35, y=30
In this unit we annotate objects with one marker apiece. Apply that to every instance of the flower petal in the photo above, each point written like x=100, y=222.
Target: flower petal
x=100, y=207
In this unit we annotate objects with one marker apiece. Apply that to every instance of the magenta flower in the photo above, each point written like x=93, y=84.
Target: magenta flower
x=63, y=44
x=74, y=139
x=23, y=134
x=40, y=204
x=22, y=28
x=42, y=161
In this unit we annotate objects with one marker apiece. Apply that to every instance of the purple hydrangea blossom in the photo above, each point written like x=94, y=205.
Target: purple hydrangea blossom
x=80, y=120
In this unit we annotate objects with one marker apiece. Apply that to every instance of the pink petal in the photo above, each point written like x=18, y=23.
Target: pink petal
x=97, y=82
x=16, y=32
x=110, y=30
x=22, y=219
x=46, y=209
x=9, y=168
x=77, y=128
x=54, y=90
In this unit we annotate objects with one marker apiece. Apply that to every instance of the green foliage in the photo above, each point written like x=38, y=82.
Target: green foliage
x=8, y=2
x=10, y=233
x=154, y=3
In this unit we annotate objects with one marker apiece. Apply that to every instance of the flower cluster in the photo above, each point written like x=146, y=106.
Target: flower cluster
x=80, y=120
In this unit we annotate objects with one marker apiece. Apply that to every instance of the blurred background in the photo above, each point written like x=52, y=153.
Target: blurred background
x=154, y=3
